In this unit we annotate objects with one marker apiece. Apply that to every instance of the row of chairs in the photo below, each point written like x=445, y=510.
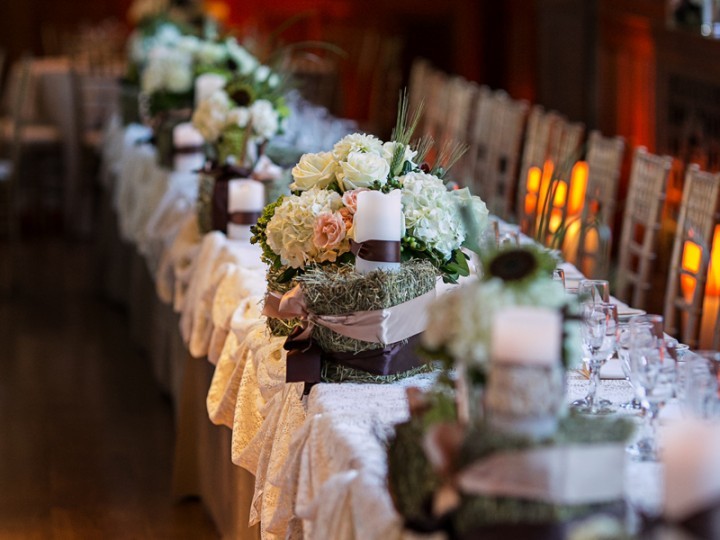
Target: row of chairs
x=520, y=159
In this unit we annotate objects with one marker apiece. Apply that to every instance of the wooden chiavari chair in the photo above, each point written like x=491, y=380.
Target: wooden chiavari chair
x=604, y=160
x=479, y=137
x=641, y=222
x=507, y=126
x=685, y=290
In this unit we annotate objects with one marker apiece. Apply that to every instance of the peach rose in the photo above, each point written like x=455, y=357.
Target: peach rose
x=329, y=230
x=349, y=199
x=347, y=216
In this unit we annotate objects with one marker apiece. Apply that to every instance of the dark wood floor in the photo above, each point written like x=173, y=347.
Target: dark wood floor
x=86, y=438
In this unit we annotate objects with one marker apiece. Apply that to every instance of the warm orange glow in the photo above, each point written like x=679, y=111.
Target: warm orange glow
x=530, y=203
x=545, y=185
x=713, y=282
x=578, y=186
x=533, y=180
x=217, y=9
x=560, y=194
x=556, y=220
x=692, y=255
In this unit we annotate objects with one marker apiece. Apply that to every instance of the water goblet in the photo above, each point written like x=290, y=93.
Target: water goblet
x=623, y=352
x=591, y=291
x=599, y=333
x=654, y=375
x=699, y=388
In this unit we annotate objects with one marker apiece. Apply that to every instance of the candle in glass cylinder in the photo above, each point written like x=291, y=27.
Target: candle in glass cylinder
x=527, y=335
x=188, y=148
x=378, y=217
x=206, y=84
x=246, y=200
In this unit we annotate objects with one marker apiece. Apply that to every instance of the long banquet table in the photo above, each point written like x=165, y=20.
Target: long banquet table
x=265, y=460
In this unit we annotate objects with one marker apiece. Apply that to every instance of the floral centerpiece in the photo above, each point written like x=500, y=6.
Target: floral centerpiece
x=310, y=243
x=516, y=465
x=236, y=121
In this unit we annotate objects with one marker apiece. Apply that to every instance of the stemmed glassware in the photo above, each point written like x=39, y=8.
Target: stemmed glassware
x=592, y=291
x=653, y=374
x=599, y=334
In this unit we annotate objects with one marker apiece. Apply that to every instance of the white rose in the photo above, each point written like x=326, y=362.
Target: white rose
x=239, y=116
x=274, y=80
x=265, y=119
x=314, y=170
x=362, y=171
x=356, y=142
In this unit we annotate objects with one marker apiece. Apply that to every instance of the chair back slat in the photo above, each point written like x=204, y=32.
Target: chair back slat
x=507, y=127
x=695, y=227
x=604, y=160
x=641, y=221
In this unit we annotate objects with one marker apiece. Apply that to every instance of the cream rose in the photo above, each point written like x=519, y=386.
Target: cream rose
x=314, y=170
x=329, y=230
x=362, y=171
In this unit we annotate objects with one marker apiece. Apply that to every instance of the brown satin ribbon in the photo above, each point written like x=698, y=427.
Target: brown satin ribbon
x=244, y=218
x=392, y=325
x=377, y=250
x=187, y=149
x=305, y=358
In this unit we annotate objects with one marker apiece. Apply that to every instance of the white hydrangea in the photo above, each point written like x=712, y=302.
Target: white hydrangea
x=290, y=231
x=431, y=212
x=356, y=142
x=211, y=116
x=167, y=69
x=461, y=320
x=265, y=119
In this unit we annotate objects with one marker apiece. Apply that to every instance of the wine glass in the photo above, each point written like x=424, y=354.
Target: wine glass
x=654, y=374
x=699, y=387
x=599, y=333
x=559, y=276
x=623, y=351
x=592, y=291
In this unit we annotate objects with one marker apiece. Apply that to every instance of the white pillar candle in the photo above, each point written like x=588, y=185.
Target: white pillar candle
x=526, y=335
x=206, y=84
x=378, y=217
x=186, y=136
x=244, y=195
